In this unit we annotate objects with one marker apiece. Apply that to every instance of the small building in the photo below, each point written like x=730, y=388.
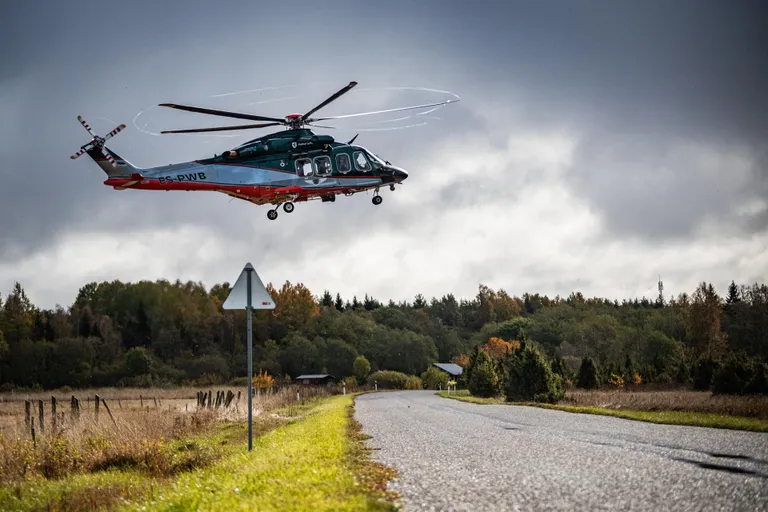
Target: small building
x=315, y=379
x=451, y=369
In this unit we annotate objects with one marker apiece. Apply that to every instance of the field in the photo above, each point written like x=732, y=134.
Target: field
x=683, y=407
x=138, y=443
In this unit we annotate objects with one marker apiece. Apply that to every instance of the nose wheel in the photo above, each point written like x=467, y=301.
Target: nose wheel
x=377, y=200
x=272, y=214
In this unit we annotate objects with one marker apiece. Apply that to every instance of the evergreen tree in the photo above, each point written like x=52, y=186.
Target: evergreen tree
x=338, y=304
x=327, y=299
x=588, y=374
x=484, y=381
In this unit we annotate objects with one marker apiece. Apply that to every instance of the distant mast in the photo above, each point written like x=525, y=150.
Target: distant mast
x=660, y=300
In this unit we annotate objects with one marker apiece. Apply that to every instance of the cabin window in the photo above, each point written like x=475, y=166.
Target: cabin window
x=361, y=162
x=304, y=167
x=323, y=165
x=343, y=163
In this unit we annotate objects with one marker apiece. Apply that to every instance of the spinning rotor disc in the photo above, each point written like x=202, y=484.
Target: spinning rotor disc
x=298, y=120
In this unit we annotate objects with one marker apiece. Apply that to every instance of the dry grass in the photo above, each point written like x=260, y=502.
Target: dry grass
x=157, y=432
x=689, y=401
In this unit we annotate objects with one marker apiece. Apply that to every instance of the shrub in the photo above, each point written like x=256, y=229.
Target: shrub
x=388, y=379
x=740, y=376
x=434, y=378
x=361, y=368
x=587, y=377
x=617, y=381
x=703, y=372
x=414, y=382
x=484, y=381
x=530, y=377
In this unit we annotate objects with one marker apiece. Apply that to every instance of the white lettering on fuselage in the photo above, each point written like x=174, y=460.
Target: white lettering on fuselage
x=195, y=176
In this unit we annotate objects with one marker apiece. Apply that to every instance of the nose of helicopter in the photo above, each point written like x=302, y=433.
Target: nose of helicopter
x=394, y=174
x=399, y=174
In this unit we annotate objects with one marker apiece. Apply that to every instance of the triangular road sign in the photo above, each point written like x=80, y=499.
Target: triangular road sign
x=238, y=297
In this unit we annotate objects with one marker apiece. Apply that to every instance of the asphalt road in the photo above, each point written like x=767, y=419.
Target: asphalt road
x=455, y=455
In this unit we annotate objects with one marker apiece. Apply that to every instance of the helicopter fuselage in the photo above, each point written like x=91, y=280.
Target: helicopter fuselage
x=295, y=165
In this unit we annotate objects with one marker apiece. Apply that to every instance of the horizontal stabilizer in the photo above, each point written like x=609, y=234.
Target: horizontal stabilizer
x=135, y=178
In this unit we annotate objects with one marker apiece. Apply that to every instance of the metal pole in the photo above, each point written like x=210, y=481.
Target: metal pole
x=249, y=310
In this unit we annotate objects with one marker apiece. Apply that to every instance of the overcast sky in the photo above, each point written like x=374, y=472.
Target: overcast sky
x=596, y=146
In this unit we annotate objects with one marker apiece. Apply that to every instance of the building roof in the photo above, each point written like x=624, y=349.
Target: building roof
x=313, y=376
x=451, y=368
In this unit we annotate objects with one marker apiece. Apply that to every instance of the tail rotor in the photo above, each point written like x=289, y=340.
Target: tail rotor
x=97, y=142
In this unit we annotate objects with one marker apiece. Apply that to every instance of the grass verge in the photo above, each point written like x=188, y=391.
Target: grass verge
x=696, y=419
x=309, y=464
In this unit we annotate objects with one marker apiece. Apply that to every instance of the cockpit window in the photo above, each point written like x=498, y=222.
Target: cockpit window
x=343, y=164
x=304, y=167
x=361, y=163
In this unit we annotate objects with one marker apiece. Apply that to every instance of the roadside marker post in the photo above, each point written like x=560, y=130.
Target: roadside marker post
x=249, y=293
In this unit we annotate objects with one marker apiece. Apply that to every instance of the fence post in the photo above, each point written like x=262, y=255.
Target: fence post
x=27, y=413
x=53, y=412
x=96, y=404
x=42, y=415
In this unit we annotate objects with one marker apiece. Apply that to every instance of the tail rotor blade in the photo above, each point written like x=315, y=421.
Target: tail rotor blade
x=85, y=125
x=114, y=132
x=82, y=150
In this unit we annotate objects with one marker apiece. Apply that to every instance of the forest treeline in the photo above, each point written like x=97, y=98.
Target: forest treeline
x=170, y=333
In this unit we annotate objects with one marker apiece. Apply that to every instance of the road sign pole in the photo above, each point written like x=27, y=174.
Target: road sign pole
x=249, y=293
x=249, y=309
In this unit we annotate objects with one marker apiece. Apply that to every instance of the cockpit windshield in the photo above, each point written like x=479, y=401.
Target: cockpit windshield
x=377, y=162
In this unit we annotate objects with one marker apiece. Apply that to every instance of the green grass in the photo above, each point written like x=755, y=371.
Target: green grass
x=305, y=465
x=696, y=419
x=312, y=460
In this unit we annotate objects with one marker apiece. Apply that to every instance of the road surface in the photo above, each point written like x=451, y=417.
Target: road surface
x=454, y=455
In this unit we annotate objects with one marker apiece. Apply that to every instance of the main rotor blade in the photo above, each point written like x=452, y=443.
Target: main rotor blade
x=383, y=111
x=335, y=96
x=223, y=128
x=224, y=113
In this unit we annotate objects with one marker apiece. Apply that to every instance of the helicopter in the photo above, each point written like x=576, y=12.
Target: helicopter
x=280, y=168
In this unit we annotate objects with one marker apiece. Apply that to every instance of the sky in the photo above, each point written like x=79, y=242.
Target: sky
x=596, y=146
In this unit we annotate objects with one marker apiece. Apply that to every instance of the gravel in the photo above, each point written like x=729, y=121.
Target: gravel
x=455, y=455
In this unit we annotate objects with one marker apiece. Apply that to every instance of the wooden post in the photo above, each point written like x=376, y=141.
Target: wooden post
x=53, y=412
x=109, y=412
x=27, y=413
x=42, y=415
x=141, y=401
x=34, y=439
x=96, y=401
x=155, y=398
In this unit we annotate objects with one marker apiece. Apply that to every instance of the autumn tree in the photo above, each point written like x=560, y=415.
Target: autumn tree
x=704, y=332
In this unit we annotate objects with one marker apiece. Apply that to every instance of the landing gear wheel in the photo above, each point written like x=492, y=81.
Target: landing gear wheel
x=377, y=200
x=272, y=214
x=392, y=188
x=288, y=207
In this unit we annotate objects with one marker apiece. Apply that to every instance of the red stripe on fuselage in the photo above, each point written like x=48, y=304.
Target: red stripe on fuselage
x=257, y=191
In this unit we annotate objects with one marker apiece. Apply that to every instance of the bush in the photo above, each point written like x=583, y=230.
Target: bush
x=388, y=379
x=434, y=379
x=361, y=368
x=587, y=377
x=703, y=372
x=740, y=376
x=484, y=381
x=414, y=382
x=530, y=377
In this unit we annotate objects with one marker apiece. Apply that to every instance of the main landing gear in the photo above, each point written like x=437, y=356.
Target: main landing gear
x=377, y=200
x=287, y=207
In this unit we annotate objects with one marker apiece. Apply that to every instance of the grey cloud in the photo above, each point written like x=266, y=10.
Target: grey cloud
x=653, y=74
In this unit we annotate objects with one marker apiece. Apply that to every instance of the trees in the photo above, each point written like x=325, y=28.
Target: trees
x=530, y=377
x=185, y=334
